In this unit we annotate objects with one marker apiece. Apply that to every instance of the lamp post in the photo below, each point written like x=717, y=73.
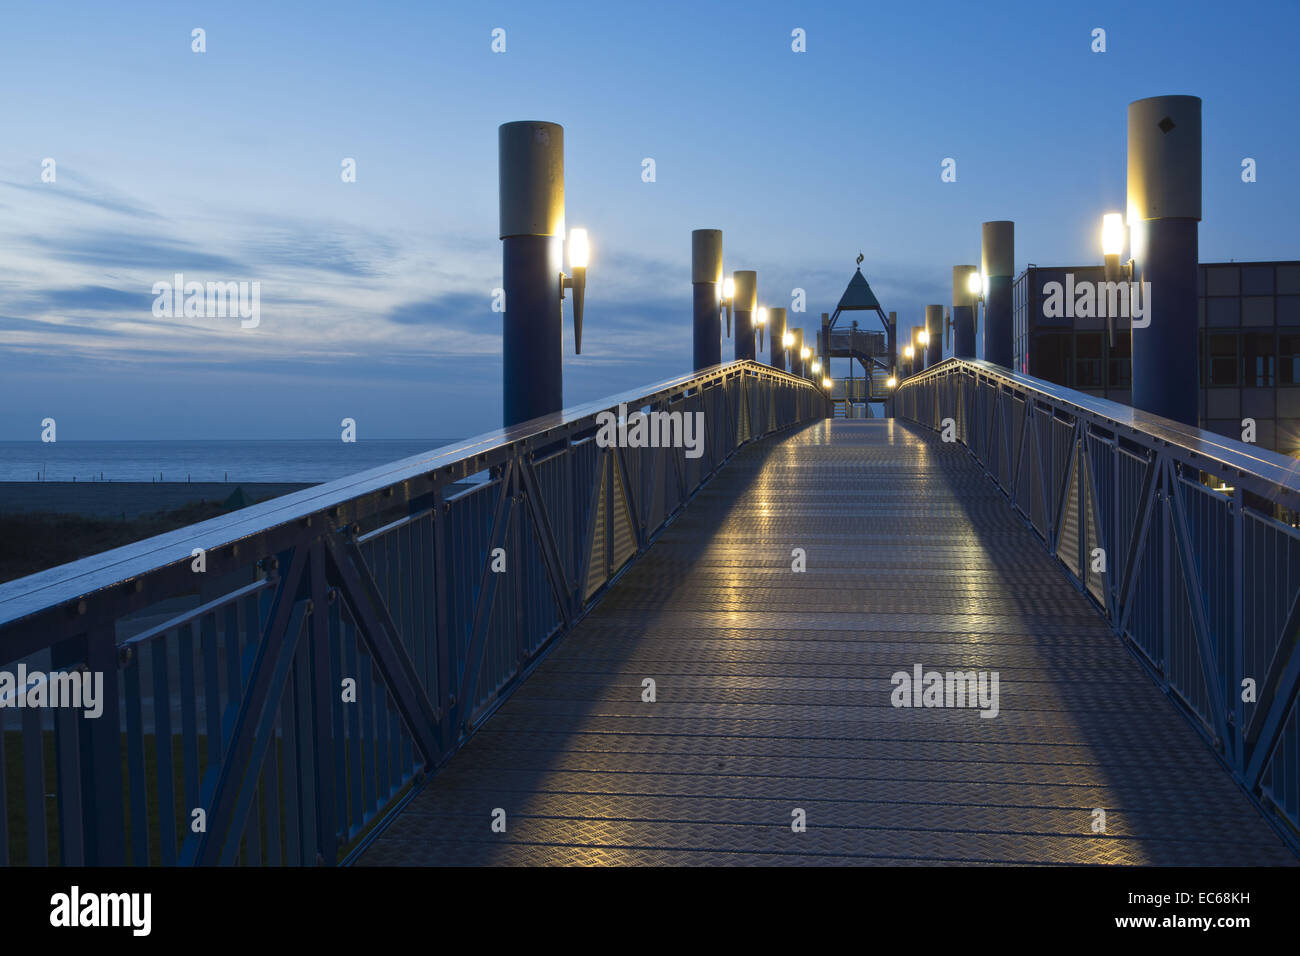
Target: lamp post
x=1164, y=212
x=965, y=301
x=796, y=352
x=909, y=360
x=745, y=303
x=776, y=338
x=531, y=193
x=921, y=336
x=709, y=295
x=805, y=356
x=997, y=263
x=760, y=322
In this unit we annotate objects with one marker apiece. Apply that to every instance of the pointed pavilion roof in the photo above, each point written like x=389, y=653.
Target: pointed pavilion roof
x=858, y=297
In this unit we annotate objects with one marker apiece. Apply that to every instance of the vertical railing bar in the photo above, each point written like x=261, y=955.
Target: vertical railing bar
x=339, y=735
x=34, y=787
x=309, y=796
x=271, y=793
x=135, y=762
x=67, y=786
x=251, y=635
x=253, y=832
x=291, y=766
x=4, y=795
x=212, y=687
x=162, y=736
x=317, y=669
x=379, y=765
x=1237, y=515
x=234, y=653
x=355, y=739
x=189, y=717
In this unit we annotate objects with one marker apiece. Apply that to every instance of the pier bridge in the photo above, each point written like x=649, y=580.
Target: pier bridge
x=1012, y=623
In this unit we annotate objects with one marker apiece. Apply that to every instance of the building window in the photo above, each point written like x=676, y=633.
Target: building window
x=1121, y=361
x=1223, y=312
x=1049, y=358
x=1223, y=280
x=1258, y=360
x=1221, y=358
x=1087, y=360
x=1257, y=280
x=1288, y=351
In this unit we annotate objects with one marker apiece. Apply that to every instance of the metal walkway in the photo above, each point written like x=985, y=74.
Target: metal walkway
x=773, y=693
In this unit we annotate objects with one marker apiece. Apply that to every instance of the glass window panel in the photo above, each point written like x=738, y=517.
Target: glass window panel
x=1223, y=280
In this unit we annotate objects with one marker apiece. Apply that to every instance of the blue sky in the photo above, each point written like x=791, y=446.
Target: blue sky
x=376, y=295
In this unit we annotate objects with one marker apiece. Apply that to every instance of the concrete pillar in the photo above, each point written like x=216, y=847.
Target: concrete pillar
x=934, y=325
x=776, y=338
x=746, y=301
x=706, y=280
x=531, y=190
x=1164, y=213
x=998, y=261
x=964, y=304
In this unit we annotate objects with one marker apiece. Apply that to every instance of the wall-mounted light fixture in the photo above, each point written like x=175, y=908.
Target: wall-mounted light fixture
x=760, y=319
x=826, y=382
x=891, y=382
x=579, y=253
x=1114, y=235
x=816, y=368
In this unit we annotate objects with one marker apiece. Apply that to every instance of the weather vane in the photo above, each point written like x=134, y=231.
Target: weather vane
x=859, y=258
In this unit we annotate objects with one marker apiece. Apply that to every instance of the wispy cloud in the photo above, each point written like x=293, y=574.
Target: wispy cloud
x=74, y=187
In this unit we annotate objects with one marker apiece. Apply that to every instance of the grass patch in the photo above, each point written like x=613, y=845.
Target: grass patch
x=37, y=541
x=17, y=805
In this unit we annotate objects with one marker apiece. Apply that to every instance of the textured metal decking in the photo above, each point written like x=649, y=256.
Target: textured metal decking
x=774, y=693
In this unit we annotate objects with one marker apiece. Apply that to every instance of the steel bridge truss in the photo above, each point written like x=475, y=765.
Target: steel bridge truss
x=1202, y=582
x=346, y=641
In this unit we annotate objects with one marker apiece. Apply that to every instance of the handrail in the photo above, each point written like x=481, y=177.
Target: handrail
x=334, y=646
x=1201, y=581
x=1278, y=471
x=443, y=466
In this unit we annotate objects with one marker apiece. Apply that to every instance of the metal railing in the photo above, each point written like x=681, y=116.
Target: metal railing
x=276, y=680
x=1175, y=535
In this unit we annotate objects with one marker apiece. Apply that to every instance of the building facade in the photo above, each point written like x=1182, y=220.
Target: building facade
x=1249, y=319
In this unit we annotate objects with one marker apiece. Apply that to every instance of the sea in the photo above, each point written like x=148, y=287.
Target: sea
x=178, y=461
